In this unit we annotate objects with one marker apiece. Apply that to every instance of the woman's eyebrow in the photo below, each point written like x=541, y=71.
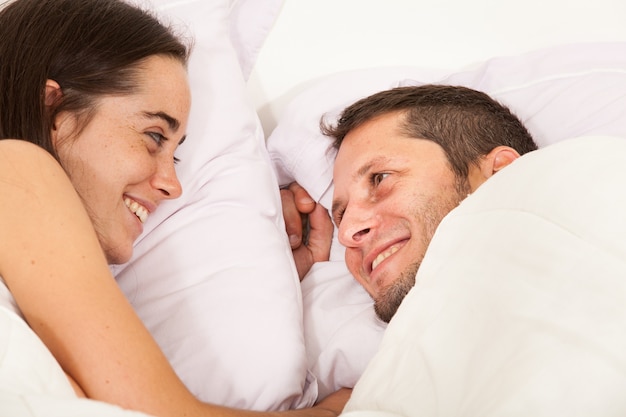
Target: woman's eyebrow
x=172, y=122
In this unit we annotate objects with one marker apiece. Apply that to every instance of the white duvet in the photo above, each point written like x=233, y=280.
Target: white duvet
x=520, y=304
x=32, y=383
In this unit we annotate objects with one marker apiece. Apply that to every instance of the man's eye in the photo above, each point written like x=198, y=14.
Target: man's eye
x=377, y=178
x=338, y=215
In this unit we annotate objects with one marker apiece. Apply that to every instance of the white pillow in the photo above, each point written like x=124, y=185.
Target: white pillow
x=250, y=23
x=558, y=92
x=212, y=275
x=342, y=332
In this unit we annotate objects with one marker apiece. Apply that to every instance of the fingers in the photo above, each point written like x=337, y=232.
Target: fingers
x=320, y=238
x=320, y=234
x=298, y=206
x=336, y=401
x=303, y=200
x=303, y=260
x=295, y=202
x=292, y=218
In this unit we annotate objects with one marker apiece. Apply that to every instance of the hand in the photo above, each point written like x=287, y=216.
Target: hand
x=335, y=402
x=331, y=406
x=312, y=245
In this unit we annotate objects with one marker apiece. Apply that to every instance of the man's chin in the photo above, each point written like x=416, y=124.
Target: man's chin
x=391, y=296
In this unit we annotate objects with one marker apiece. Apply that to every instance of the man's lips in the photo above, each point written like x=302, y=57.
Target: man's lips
x=378, y=256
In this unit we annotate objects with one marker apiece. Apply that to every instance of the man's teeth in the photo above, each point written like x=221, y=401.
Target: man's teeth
x=384, y=255
x=139, y=210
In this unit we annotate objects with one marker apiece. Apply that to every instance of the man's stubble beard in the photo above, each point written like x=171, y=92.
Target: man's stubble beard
x=391, y=296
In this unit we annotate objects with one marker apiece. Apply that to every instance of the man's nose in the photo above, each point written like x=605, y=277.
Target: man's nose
x=356, y=225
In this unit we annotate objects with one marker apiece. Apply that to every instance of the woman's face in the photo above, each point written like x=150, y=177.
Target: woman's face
x=122, y=162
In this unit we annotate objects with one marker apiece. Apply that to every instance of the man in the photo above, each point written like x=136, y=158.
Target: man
x=405, y=158
x=517, y=308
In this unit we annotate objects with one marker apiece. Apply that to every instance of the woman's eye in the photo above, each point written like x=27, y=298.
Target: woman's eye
x=157, y=137
x=378, y=178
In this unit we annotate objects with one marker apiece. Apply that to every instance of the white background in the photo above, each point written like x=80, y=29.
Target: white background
x=313, y=38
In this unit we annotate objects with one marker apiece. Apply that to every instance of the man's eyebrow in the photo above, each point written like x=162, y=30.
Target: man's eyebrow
x=172, y=122
x=367, y=167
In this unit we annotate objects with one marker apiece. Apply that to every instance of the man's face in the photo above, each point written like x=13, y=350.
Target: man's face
x=391, y=193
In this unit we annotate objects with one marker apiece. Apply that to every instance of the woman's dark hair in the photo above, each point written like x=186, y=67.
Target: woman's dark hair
x=91, y=48
x=466, y=123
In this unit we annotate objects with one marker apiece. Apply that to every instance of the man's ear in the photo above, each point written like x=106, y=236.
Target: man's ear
x=489, y=164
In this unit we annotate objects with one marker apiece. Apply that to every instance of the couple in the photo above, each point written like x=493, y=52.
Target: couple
x=88, y=151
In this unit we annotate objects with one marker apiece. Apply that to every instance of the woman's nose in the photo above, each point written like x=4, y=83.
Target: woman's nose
x=166, y=181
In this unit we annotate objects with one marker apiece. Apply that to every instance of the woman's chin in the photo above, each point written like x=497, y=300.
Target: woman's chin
x=119, y=255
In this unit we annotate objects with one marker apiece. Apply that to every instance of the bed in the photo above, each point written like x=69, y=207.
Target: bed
x=228, y=310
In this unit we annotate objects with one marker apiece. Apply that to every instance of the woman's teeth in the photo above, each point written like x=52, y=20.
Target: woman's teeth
x=384, y=255
x=139, y=210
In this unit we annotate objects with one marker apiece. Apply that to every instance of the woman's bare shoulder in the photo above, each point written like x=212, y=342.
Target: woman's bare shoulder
x=23, y=163
x=19, y=150
x=33, y=184
x=17, y=146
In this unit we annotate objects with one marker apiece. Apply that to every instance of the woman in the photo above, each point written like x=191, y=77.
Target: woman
x=99, y=89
